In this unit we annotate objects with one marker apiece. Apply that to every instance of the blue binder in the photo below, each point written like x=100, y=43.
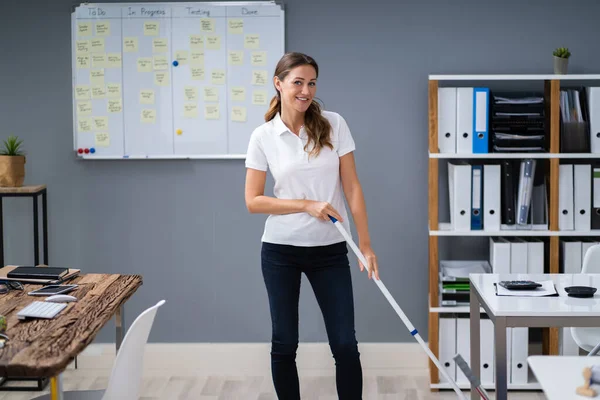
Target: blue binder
x=476, y=197
x=481, y=100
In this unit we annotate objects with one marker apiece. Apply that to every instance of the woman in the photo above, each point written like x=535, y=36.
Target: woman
x=310, y=155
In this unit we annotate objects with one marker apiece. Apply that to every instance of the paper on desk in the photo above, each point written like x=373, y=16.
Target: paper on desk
x=547, y=289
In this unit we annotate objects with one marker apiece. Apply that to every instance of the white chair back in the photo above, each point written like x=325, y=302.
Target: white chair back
x=591, y=260
x=588, y=338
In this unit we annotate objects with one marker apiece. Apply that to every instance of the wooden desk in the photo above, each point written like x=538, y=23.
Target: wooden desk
x=42, y=347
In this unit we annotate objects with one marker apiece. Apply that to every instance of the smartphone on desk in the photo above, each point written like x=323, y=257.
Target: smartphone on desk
x=51, y=290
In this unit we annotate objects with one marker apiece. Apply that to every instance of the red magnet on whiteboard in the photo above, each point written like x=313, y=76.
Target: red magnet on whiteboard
x=87, y=151
x=80, y=151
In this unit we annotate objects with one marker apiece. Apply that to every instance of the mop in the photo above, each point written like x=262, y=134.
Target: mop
x=399, y=311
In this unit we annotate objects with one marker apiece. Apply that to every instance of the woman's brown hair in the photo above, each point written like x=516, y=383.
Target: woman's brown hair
x=317, y=127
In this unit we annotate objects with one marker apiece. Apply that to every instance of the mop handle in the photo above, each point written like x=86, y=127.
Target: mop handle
x=396, y=307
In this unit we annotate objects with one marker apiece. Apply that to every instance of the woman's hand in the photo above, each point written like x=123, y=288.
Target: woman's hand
x=371, y=259
x=322, y=210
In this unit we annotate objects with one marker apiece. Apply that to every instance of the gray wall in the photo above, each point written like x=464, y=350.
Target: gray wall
x=109, y=216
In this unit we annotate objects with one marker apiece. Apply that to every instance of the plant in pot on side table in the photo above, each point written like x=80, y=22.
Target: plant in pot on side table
x=561, y=60
x=12, y=162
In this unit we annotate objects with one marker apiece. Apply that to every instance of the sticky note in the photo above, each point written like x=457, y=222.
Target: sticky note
x=84, y=124
x=235, y=26
x=161, y=78
x=259, y=97
x=217, y=76
x=98, y=92
x=197, y=58
x=238, y=93
x=259, y=77
x=251, y=41
x=181, y=56
x=113, y=60
x=82, y=92
x=207, y=25
x=98, y=60
x=83, y=61
x=196, y=42
x=190, y=110
x=159, y=45
x=161, y=63
x=213, y=42
x=100, y=123
x=130, y=44
x=144, y=64
x=84, y=29
x=238, y=114
x=259, y=58
x=115, y=105
x=211, y=111
x=151, y=28
x=97, y=77
x=190, y=93
x=211, y=94
x=236, y=57
x=146, y=96
x=84, y=107
x=103, y=28
x=197, y=73
x=82, y=47
x=97, y=45
x=102, y=139
x=113, y=90
x=148, y=116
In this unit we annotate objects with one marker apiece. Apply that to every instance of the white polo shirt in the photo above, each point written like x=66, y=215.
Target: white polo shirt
x=272, y=146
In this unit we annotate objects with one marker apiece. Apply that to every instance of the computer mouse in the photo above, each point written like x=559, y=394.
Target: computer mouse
x=61, y=298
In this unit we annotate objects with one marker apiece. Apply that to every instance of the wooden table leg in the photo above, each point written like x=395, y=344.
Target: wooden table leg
x=56, y=390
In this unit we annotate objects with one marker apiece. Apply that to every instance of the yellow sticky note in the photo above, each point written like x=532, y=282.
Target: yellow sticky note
x=113, y=60
x=144, y=64
x=84, y=124
x=161, y=63
x=103, y=28
x=236, y=57
x=97, y=45
x=218, y=77
x=84, y=29
x=151, y=28
x=159, y=45
x=190, y=110
x=98, y=60
x=82, y=47
x=211, y=111
x=148, y=116
x=207, y=25
x=259, y=58
x=82, y=92
x=102, y=139
x=97, y=77
x=238, y=93
x=100, y=123
x=84, y=107
x=161, y=78
x=259, y=77
x=190, y=93
x=115, y=105
x=146, y=96
x=238, y=114
x=236, y=26
x=211, y=94
x=98, y=92
x=197, y=73
x=181, y=56
x=197, y=58
x=196, y=42
x=130, y=44
x=259, y=97
x=213, y=42
x=113, y=90
x=252, y=41
x=83, y=61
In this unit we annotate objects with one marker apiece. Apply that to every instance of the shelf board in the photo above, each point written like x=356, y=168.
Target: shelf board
x=513, y=77
x=453, y=310
x=515, y=232
x=490, y=386
x=514, y=155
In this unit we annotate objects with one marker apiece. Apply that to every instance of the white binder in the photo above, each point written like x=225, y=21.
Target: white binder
x=463, y=346
x=447, y=342
x=593, y=98
x=518, y=256
x=519, y=353
x=535, y=256
x=500, y=255
x=582, y=194
x=447, y=120
x=464, y=120
x=491, y=197
x=566, y=221
x=486, y=375
x=459, y=188
x=571, y=255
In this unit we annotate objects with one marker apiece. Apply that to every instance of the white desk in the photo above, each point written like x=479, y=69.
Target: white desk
x=510, y=311
x=560, y=376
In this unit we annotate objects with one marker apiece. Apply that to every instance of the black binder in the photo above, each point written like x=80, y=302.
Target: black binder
x=509, y=183
x=595, y=186
x=37, y=273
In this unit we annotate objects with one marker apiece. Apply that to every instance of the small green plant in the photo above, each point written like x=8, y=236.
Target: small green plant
x=12, y=147
x=562, y=52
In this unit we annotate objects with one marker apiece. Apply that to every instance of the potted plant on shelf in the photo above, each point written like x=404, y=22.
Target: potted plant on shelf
x=12, y=162
x=561, y=60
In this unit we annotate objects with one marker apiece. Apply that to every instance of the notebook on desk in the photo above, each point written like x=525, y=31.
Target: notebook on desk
x=6, y=274
x=38, y=273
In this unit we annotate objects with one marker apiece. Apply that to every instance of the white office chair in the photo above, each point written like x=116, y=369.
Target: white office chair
x=589, y=338
x=126, y=375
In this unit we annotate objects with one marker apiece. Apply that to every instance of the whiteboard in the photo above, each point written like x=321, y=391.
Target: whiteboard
x=172, y=80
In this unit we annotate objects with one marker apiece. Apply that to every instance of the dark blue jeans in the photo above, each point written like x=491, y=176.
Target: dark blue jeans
x=328, y=271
